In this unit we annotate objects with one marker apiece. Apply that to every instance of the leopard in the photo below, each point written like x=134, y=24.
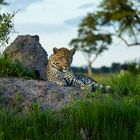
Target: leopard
x=59, y=71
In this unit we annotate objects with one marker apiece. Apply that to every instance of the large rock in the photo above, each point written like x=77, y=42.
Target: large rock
x=21, y=93
x=27, y=50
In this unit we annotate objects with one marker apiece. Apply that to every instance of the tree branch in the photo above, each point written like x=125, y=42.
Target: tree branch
x=133, y=32
x=124, y=40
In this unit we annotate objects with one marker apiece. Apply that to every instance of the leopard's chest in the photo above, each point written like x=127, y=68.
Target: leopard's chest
x=55, y=74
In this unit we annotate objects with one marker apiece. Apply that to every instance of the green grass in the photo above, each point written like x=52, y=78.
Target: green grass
x=103, y=78
x=105, y=119
x=127, y=84
x=9, y=69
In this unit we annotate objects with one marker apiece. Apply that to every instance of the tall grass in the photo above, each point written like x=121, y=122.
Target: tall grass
x=7, y=69
x=126, y=84
x=35, y=126
x=105, y=119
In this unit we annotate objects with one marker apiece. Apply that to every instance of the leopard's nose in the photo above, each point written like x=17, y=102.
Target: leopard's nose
x=65, y=69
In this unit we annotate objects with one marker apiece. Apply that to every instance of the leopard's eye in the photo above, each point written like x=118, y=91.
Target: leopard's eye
x=57, y=63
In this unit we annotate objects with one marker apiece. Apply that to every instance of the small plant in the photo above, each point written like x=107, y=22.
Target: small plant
x=18, y=96
x=35, y=107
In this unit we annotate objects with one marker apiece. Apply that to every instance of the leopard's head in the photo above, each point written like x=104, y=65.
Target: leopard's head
x=61, y=59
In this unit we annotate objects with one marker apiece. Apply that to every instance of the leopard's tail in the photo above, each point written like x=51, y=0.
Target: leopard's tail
x=97, y=86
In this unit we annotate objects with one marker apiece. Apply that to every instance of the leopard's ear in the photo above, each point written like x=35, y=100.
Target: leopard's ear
x=55, y=50
x=73, y=51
